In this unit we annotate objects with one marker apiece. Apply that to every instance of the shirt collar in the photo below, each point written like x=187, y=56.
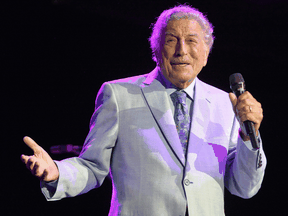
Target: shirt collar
x=190, y=89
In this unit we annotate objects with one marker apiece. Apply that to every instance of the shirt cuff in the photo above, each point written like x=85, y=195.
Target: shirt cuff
x=49, y=188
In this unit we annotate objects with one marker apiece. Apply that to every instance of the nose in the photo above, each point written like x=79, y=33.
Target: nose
x=181, y=48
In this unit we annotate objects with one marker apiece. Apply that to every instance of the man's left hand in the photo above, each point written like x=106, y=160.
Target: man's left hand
x=246, y=107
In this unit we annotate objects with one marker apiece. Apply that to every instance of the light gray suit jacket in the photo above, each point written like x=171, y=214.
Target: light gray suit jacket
x=133, y=135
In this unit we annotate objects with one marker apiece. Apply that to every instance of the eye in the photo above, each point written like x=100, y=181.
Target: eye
x=192, y=41
x=170, y=40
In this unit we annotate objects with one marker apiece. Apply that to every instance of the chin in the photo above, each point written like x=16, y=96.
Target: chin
x=181, y=82
x=183, y=76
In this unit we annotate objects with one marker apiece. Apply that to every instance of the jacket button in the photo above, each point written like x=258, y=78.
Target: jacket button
x=186, y=182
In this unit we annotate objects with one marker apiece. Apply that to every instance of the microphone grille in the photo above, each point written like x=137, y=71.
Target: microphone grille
x=235, y=78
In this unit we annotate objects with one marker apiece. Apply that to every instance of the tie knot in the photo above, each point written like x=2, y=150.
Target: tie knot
x=179, y=97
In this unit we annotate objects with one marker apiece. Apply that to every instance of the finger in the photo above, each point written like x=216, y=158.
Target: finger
x=24, y=158
x=44, y=175
x=248, y=99
x=256, y=126
x=233, y=99
x=37, y=171
x=31, y=163
x=243, y=103
x=246, y=95
x=256, y=118
x=245, y=109
x=35, y=168
x=249, y=106
x=257, y=111
x=32, y=145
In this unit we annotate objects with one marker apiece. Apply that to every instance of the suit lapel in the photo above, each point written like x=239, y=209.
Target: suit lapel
x=200, y=117
x=158, y=102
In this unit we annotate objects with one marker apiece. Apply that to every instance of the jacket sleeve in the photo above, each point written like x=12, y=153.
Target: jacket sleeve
x=244, y=167
x=78, y=175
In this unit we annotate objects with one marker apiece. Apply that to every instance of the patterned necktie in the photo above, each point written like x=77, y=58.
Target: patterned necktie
x=181, y=116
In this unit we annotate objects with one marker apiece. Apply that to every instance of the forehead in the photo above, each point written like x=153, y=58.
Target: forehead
x=183, y=27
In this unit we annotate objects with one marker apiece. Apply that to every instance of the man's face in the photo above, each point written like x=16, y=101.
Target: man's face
x=184, y=52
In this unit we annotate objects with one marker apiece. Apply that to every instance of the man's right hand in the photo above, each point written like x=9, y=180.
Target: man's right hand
x=40, y=164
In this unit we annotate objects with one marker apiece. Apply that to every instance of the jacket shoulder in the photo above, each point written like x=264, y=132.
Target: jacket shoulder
x=120, y=87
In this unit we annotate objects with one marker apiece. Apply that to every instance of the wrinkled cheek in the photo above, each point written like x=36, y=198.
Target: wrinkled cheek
x=165, y=63
x=200, y=55
x=164, y=58
x=194, y=53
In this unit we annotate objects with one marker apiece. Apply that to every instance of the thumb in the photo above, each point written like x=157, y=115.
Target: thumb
x=233, y=100
x=32, y=145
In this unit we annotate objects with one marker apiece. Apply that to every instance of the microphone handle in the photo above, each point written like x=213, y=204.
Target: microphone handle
x=250, y=130
x=249, y=126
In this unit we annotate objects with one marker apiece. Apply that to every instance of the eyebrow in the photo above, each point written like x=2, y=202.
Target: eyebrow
x=170, y=33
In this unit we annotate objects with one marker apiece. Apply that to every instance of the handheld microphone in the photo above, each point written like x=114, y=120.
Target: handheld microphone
x=237, y=85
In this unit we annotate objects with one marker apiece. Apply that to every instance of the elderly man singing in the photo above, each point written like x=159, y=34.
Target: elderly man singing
x=169, y=141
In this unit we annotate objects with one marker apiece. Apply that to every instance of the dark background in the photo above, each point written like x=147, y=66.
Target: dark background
x=56, y=54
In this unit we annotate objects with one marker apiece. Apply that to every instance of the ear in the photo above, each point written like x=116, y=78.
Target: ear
x=205, y=57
